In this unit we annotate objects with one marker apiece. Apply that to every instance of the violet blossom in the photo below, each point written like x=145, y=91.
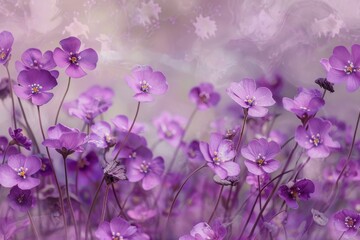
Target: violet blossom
x=347, y=221
x=123, y=124
x=292, y=192
x=204, y=96
x=170, y=128
x=101, y=135
x=203, y=231
x=20, y=200
x=117, y=228
x=6, y=42
x=19, y=139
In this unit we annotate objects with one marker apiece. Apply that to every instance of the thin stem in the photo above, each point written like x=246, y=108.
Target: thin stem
x=122, y=145
x=216, y=205
x=227, y=202
x=5, y=152
x=241, y=133
x=289, y=140
x=69, y=200
x=62, y=101
x=11, y=94
x=341, y=236
x=178, y=192
x=54, y=174
x=92, y=207
x=118, y=203
x=302, y=167
x=103, y=212
x=258, y=178
x=37, y=236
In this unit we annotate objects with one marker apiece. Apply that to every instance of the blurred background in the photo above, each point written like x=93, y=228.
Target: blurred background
x=190, y=41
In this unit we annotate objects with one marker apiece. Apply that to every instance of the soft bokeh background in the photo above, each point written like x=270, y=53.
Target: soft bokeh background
x=190, y=41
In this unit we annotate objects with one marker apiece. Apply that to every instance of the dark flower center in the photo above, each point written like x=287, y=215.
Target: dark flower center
x=22, y=172
x=204, y=97
x=315, y=139
x=349, y=69
x=144, y=86
x=43, y=167
x=260, y=160
x=191, y=153
x=350, y=222
x=144, y=167
x=35, y=88
x=74, y=58
x=36, y=64
x=20, y=198
x=2, y=55
x=83, y=163
x=133, y=154
x=250, y=101
x=294, y=192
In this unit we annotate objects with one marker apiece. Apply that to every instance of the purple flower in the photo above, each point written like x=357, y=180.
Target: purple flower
x=65, y=140
x=292, y=192
x=101, y=135
x=6, y=42
x=251, y=98
x=33, y=58
x=259, y=154
x=4, y=88
x=170, y=128
x=142, y=213
x=219, y=154
x=306, y=104
x=347, y=221
x=134, y=147
x=145, y=82
x=118, y=229
x=34, y=85
x=20, y=200
x=18, y=172
x=315, y=138
x=204, y=96
x=19, y=139
x=193, y=152
x=122, y=123
x=74, y=61
x=203, y=231
x=148, y=170
x=344, y=67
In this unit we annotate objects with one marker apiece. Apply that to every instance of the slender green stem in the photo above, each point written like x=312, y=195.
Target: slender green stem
x=37, y=236
x=62, y=100
x=103, y=211
x=216, y=205
x=54, y=174
x=69, y=200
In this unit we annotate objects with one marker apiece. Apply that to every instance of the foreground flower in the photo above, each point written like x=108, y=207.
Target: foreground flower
x=292, y=192
x=259, y=154
x=316, y=139
x=203, y=231
x=34, y=86
x=19, y=139
x=74, y=61
x=305, y=104
x=344, y=67
x=347, y=221
x=6, y=42
x=118, y=229
x=20, y=200
x=251, y=98
x=18, y=172
x=147, y=170
x=218, y=155
x=145, y=82
x=65, y=140
x=204, y=96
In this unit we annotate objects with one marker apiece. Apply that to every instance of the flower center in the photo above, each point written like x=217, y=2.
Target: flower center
x=204, y=97
x=350, y=222
x=144, y=86
x=260, y=160
x=2, y=55
x=144, y=167
x=217, y=160
x=349, y=69
x=43, y=167
x=74, y=58
x=294, y=192
x=117, y=236
x=35, y=88
x=133, y=154
x=82, y=163
x=20, y=198
x=36, y=64
x=315, y=139
x=22, y=172
x=250, y=101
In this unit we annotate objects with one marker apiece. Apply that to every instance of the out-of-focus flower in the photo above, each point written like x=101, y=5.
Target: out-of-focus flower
x=254, y=100
x=33, y=58
x=20, y=200
x=65, y=140
x=19, y=139
x=18, y=172
x=306, y=103
x=147, y=170
x=259, y=154
x=347, y=221
x=34, y=86
x=145, y=82
x=74, y=61
x=204, y=96
x=117, y=229
x=6, y=42
x=316, y=139
x=135, y=146
x=170, y=128
x=4, y=88
x=218, y=155
x=193, y=152
x=204, y=27
x=122, y=123
x=345, y=67
x=101, y=135
x=292, y=192
x=142, y=213
x=203, y=231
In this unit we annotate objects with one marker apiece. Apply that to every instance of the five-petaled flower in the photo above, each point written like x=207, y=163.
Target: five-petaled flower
x=347, y=221
x=204, y=96
x=116, y=229
x=19, y=199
